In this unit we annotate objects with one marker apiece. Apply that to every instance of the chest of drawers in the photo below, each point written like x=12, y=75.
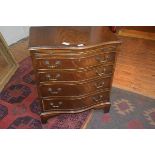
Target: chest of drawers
x=73, y=67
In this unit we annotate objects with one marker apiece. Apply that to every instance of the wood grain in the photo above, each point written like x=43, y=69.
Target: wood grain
x=20, y=50
x=135, y=67
x=55, y=37
x=137, y=34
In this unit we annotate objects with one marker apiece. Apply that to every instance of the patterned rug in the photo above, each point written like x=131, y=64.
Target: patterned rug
x=128, y=111
x=19, y=105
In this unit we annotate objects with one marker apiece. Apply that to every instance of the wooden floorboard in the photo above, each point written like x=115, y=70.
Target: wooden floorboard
x=135, y=67
x=145, y=32
x=140, y=28
x=20, y=50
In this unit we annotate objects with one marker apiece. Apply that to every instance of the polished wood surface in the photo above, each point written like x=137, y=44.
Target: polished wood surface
x=70, y=78
x=59, y=89
x=76, y=103
x=69, y=37
x=61, y=62
x=73, y=75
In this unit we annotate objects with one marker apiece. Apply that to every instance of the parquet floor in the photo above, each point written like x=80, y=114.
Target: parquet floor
x=20, y=50
x=135, y=67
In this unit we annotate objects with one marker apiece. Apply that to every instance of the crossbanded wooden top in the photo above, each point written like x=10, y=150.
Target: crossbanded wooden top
x=70, y=37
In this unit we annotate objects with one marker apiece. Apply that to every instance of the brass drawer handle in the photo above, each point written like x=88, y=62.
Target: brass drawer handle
x=50, y=90
x=47, y=62
x=48, y=76
x=101, y=59
x=100, y=73
x=57, y=63
x=56, y=106
x=51, y=104
x=97, y=98
x=99, y=85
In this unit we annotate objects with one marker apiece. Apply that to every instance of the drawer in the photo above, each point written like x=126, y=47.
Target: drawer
x=60, y=62
x=70, y=53
x=70, y=89
x=75, y=75
x=75, y=103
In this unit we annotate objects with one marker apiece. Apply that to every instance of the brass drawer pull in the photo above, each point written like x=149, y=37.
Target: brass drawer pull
x=47, y=62
x=57, y=63
x=97, y=98
x=101, y=59
x=54, y=92
x=48, y=76
x=56, y=106
x=100, y=73
x=51, y=104
x=99, y=85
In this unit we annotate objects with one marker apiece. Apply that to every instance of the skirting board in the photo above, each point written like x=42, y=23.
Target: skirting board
x=137, y=34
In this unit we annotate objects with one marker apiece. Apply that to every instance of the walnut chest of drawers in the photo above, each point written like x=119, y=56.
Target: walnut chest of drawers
x=73, y=67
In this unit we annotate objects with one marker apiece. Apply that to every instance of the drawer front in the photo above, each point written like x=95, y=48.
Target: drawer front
x=63, y=89
x=70, y=104
x=59, y=62
x=60, y=75
x=76, y=53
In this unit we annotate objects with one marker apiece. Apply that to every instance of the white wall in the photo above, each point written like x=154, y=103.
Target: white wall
x=13, y=34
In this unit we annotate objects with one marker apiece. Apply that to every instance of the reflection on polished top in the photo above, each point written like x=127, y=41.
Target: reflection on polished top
x=70, y=37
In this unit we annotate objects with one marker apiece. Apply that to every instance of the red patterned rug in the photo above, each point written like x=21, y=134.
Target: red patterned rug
x=19, y=105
